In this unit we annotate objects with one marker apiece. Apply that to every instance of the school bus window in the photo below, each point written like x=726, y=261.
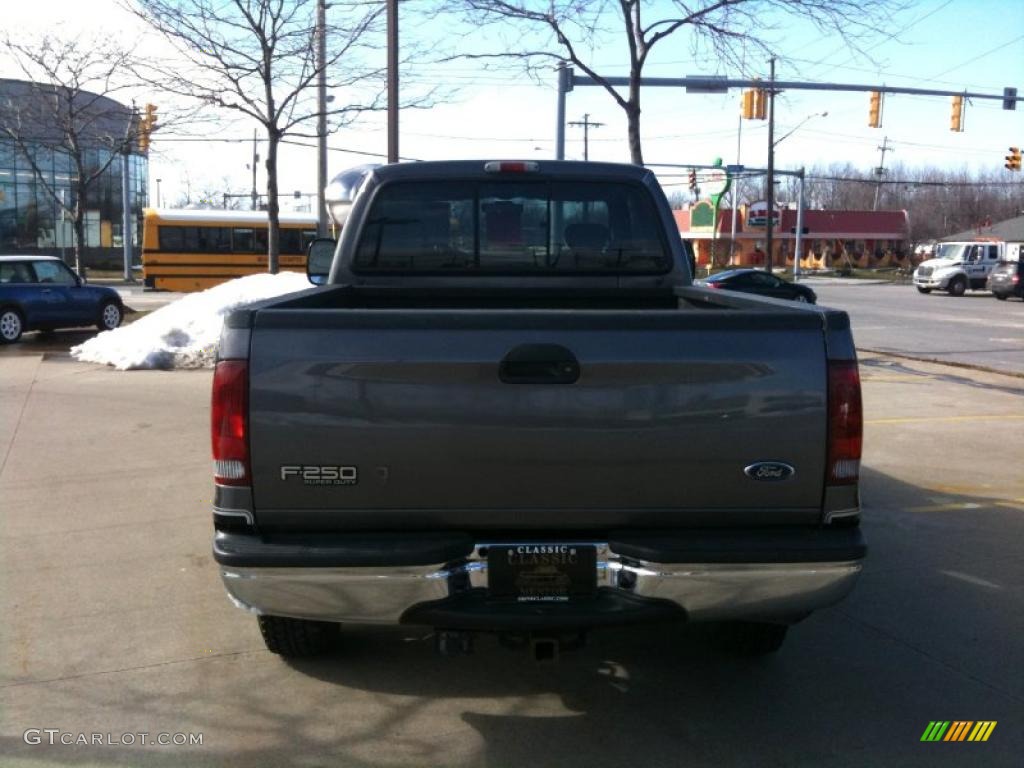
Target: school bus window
x=243, y=241
x=260, y=238
x=171, y=238
x=290, y=241
x=214, y=240
x=191, y=236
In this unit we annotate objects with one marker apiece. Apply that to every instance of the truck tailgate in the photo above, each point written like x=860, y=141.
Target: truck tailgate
x=387, y=418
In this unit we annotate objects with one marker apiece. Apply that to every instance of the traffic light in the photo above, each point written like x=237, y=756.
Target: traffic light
x=693, y=180
x=956, y=115
x=1013, y=159
x=760, y=104
x=754, y=105
x=146, y=127
x=748, y=105
x=875, y=110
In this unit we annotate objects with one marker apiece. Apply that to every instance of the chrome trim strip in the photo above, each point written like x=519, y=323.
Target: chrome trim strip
x=706, y=591
x=840, y=514
x=235, y=513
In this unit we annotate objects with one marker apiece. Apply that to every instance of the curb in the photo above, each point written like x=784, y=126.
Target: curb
x=950, y=363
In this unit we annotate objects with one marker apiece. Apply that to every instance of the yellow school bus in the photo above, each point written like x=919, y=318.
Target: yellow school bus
x=190, y=250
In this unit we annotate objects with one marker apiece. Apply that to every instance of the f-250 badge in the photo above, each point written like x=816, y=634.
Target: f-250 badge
x=320, y=475
x=769, y=471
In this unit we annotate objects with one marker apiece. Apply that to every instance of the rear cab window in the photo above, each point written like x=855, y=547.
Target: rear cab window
x=512, y=227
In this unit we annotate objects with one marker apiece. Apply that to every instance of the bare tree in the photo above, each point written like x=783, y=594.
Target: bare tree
x=735, y=31
x=257, y=58
x=210, y=193
x=65, y=110
x=938, y=201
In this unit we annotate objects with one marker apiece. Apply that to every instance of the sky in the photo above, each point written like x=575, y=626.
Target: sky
x=959, y=45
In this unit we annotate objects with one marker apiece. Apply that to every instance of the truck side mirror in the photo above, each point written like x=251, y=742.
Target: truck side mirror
x=318, y=259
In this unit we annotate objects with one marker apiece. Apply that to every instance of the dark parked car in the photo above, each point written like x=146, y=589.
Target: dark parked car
x=760, y=282
x=1006, y=280
x=40, y=293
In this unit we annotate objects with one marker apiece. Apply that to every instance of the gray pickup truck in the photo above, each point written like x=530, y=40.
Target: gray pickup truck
x=508, y=410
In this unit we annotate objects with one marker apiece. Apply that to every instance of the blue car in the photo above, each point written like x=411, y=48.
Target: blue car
x=40, y=293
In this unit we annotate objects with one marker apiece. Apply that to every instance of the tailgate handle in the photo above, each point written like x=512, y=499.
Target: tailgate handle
x=539, y=364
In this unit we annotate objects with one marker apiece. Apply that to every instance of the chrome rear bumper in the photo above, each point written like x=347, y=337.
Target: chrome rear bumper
x=704, y=591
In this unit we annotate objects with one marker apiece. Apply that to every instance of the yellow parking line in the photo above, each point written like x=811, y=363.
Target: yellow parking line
x=934, y=419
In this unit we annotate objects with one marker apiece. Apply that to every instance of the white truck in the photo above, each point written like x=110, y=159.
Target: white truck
x=958, y=266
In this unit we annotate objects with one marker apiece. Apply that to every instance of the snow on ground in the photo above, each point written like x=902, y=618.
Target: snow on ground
x=184, y=333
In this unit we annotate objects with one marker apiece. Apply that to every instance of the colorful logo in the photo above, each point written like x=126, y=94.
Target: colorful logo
x=958, y=730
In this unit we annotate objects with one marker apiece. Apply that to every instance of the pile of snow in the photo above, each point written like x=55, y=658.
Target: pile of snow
x=184, y=333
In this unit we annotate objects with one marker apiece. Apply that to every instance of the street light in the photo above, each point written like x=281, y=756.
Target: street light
x=770, y=181
x=158, y=193
x=800, y=125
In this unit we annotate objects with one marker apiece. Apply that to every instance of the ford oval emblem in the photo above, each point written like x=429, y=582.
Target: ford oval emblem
x=770, y=471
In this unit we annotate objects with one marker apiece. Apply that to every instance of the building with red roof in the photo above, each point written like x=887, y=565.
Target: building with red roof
x=831, y=238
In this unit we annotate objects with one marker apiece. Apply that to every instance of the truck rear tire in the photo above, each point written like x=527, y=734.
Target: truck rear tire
x=748, y=638
x=296, y=638
x=923, y=290
x=957, y=286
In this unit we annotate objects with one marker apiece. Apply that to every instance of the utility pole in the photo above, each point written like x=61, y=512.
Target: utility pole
x=587, y=124
x=392, y=33
x=880, y=170
x=321, y=122
x=255, y=161
x=770, y=196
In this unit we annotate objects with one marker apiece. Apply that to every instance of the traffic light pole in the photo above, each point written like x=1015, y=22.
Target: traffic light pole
x=798, y=246
x=126, y=217
x=321, y=119
x=770, y=192
x=564, y=86
x=568, y=80
x=392, y=79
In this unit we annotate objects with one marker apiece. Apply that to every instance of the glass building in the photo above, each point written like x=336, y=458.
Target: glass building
x=32, y=218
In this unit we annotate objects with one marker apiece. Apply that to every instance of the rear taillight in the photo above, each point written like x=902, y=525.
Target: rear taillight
x=1015, y=279
x=845, y=422
x=229, y=422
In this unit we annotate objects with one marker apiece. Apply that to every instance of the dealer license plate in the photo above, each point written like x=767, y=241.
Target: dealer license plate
x=541, y=572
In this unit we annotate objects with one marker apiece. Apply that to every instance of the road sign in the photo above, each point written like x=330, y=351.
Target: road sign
x=732, y=170
x=714, y=180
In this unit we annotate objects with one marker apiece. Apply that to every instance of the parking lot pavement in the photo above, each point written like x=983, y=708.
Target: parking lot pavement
x=974, y=329
x=141, y=300
x=114, y=620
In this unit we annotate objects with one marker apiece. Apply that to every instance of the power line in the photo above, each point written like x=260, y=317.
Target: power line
x=980, y=56
x=882, y=42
